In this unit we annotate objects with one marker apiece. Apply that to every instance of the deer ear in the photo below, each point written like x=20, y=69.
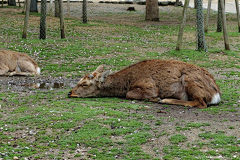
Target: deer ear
x=104, y=76
x=99, y=69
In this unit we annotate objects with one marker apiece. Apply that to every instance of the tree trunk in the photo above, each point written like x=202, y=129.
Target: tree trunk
x=68, y=7
x=201, y=44
x=51, y=8
x=225, y=34
x=207, y=18
x=176, y=3
x=180, y=34
x=12, y=2
x=57, y=14
x=26, y=19
x=24, y=6
x=43, y=19
x=219, y=19
x=61, y=19
x=238, y=18
x=84, y=9
x=195, y=4
x=152, y=10
x=33, y=6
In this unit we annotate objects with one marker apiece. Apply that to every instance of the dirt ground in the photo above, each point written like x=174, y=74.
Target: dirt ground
x=181, y=115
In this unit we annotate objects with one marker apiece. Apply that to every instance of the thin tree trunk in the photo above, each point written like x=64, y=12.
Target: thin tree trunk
x=219, y=19
x=12, y=2
x=176, y=3
x=57, y=14
x=26, y=19
x=225, y=34
x=201, y=44
x=208, y=14
x=43, y=19
x=51, y=8
x=238, y=18
x=24, y=6
x=68, y=7
x=61, y=19
x=33, y=6
x=180, y=34
x=152, y=10
x=195, y=4
x=84, y=9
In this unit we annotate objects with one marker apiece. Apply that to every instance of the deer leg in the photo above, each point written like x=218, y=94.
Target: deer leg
x=20, y=73
x=135, y=94
x=195, y=92
x=144, y=89
x=139, y=94
x=3, y=69
x=25, y=68
x=195, y=103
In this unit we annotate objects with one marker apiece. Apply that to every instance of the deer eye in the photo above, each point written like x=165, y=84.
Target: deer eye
x=84, y=85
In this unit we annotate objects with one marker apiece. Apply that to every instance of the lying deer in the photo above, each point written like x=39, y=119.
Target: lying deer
x=164, y=81
x=16, y=63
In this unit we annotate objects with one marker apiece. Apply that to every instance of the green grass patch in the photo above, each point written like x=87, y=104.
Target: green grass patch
x=46, y=124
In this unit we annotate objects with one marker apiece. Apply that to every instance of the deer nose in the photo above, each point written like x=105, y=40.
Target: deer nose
x=69, y=94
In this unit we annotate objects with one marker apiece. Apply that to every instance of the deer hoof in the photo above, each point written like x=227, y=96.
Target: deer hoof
x=163, y=101
x=160, y=102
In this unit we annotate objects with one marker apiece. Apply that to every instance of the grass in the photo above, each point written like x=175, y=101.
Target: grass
x=45, y=124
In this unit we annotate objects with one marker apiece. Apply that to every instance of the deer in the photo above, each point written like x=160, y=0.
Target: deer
x=16, y=63
x=162, y=81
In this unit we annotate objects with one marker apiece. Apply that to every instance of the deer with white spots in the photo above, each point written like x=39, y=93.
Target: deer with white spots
x=16, y=63
x=163, y=81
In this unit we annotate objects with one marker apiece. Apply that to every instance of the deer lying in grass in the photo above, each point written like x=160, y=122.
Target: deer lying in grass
x=164, y=81
x=16, y=63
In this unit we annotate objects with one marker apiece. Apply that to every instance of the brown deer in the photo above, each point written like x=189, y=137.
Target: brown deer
x=16, y=63
x=163, y=81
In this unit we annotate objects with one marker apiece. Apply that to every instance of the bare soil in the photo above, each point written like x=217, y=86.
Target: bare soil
x=181, y=115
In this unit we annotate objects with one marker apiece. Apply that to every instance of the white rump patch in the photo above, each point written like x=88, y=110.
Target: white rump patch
x=215, y=99
x=38, y=70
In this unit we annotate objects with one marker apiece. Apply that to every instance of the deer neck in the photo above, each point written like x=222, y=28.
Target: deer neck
x=115, y=85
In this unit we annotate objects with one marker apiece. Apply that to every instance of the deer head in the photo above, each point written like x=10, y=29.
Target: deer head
x=90, y=84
